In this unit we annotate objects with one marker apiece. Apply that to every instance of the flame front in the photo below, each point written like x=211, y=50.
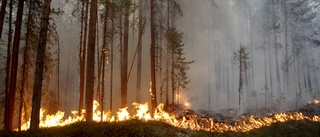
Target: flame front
x=191, y=122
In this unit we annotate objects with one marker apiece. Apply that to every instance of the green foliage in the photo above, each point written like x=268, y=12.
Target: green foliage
x=241, y=56
x=180, y=64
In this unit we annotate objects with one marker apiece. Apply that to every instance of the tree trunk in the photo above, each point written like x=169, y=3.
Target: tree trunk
x=168, y=54
x=124, y=63
x=140, y=25
x=240, y=79
x=84, y=52
x=90, y=60
x=36, y=99
x=104, y=52
x=111, y=59
x=276, y=49
x=2, y=13
x=81, y=46
x=8, y=63
x=153, y=58
x=286, y=71
x=24, y=66
x=14, y=67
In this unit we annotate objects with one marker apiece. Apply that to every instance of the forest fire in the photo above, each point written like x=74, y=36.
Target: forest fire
x=189, y=120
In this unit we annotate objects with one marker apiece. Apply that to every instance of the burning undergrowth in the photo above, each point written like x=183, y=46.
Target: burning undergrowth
x=185, y=118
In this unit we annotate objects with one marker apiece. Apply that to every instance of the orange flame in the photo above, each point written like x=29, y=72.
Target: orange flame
x=192, y=122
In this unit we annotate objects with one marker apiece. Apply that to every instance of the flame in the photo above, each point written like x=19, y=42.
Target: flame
x=192, y=121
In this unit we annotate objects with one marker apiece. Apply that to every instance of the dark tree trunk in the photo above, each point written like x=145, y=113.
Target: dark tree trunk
x=24, y=66
x=168, y=54
x=36, y=98
x=104, y=52
x=276, y=48
x=2, y=13
x=14, y=68
x=240, y=79
x=90, y=60
x=84, y=49
x=81, y=46
x=153, y=58
x=8, y=63
x=111, y=59
x=124, y=65
x=138, y=92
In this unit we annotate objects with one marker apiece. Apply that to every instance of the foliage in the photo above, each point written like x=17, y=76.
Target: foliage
x=180, y=64
x=241, y=56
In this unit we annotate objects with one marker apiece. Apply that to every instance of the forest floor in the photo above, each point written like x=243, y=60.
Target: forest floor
x=139, y=128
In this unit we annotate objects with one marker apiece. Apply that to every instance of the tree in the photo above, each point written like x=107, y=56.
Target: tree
x=36, y=99
x=153, y=57
x=179, y=63
x=8, y=65
x=25, y=62
x=124, y=54
x=84, y=24
x=2, y=13
x=90, y=60
x=141, y=24
x=242, y=57
x=14, y=62
x=104, y=52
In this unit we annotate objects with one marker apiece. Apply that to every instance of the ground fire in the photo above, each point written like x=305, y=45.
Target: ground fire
x=182, y=118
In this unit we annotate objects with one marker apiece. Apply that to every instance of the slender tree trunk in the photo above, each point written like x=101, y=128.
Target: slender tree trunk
x=240, y=79
x=276, y=49
x=14, y=67
x=81, y=55
x=160, y=51
x=36, y=99
x=124, y=65
x=99, y=60
x=58, y=84
x=84, y=52
x=2, y=13
x=140, y=25
x=90, y=60
x=168, y=54
x=153, y=58
x=111, y=59
x=8, y=63
x=286, y=71
x=24, y=66
x=104, y=52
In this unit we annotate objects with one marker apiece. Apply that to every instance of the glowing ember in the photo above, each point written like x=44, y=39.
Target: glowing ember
x=192, y=121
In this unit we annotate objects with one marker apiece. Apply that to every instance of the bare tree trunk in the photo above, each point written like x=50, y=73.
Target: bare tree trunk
x=276, y=48
x=8, y=66
x=152, y=58
x=124, y=63
x=111, y=58
x=104, y=51
x=14, y=67
x=2, y=13
x=138, y=92
x=36, y=99
x=24, y=66
x=84, y=52
x=240, y=80
x=99, y=61
x=90, y=60
x=168, y=54
x=81, y=55
x=286, y=71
